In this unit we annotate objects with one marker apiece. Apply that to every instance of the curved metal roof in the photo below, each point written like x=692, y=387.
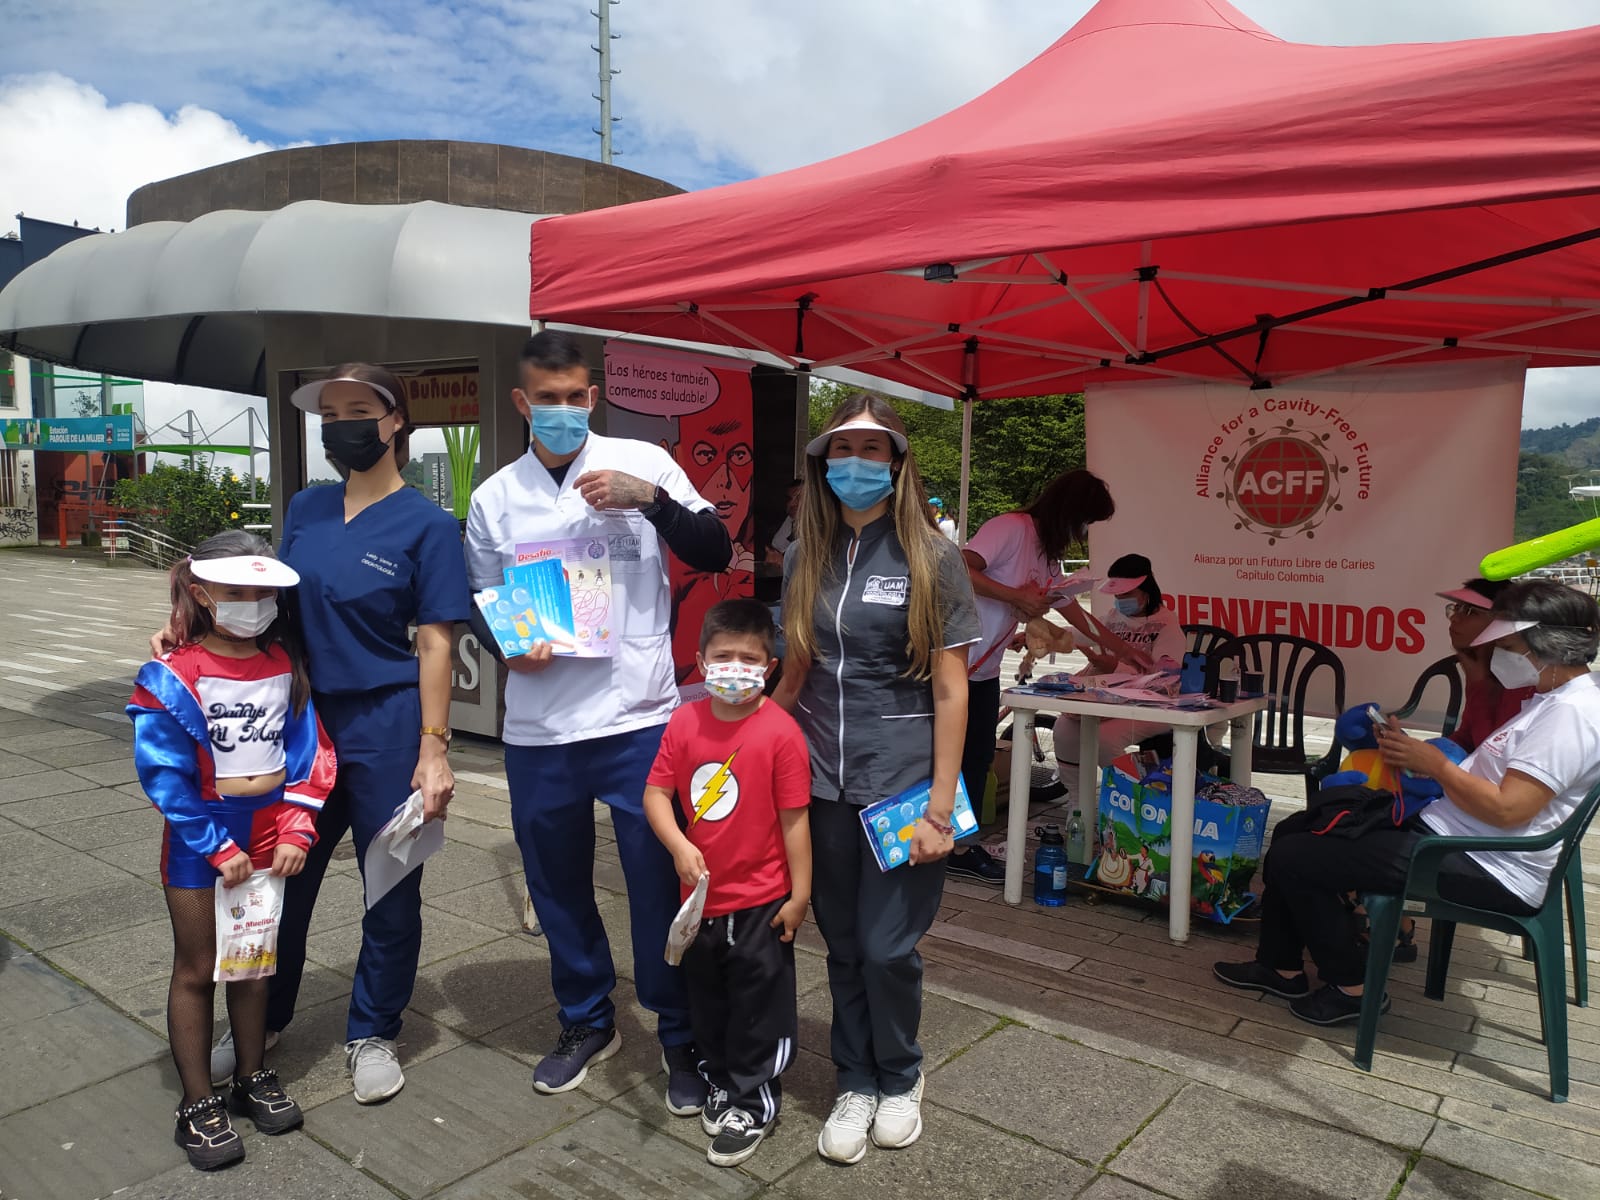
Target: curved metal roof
x=184, y=302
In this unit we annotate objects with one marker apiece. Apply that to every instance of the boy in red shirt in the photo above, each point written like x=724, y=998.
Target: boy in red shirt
x=741, y=773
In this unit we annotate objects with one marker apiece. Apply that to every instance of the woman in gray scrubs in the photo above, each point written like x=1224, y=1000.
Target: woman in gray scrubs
x=878, y=614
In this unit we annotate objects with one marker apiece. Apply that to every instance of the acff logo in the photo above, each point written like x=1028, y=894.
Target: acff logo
x=1282, y=482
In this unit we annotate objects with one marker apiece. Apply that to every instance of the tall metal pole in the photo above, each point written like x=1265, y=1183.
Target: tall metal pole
x=606, y=73
x=250, y=425
x=966, y=466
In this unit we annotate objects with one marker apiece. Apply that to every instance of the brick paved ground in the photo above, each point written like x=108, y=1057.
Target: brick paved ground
x=1071, y=1052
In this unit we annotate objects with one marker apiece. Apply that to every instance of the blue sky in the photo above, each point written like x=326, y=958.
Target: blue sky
x=710, y=90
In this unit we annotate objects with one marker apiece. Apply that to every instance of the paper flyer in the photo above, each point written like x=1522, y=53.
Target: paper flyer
x=533, y=606
x=586, y=562
x=890, y=823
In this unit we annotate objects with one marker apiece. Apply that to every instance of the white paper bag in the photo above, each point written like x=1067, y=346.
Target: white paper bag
x=247, y=928
x=400, y=847
x=687, y=923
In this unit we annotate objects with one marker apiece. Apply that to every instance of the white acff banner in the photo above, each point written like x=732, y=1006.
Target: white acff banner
x=1332, y=510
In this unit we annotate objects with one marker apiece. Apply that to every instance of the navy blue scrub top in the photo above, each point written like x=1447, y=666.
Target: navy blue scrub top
x=362, y=584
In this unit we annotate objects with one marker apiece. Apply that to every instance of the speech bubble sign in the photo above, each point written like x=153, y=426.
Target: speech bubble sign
x=658, y=385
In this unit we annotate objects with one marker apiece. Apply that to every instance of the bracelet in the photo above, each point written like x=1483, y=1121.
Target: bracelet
x=947, y=830
x=439, y=732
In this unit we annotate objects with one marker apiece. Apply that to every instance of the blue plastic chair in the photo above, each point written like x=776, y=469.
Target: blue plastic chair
x=1542, y=930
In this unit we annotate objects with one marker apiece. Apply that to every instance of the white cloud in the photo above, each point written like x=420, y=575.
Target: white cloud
x=709, y=91
x=1561, y=396
x=71, y=155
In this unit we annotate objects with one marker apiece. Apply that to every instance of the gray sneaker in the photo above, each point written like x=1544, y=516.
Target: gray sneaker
x=374, y=1067
x=225, y=1061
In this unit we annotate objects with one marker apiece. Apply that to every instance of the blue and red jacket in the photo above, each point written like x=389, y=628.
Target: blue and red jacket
x=173, y=750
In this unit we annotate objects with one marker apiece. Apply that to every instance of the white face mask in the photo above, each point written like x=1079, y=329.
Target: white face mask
x=735, y=682
x=245, y=618
x=1513, y=670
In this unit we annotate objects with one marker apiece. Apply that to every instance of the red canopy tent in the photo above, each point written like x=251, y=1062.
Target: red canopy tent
x=1168, y=190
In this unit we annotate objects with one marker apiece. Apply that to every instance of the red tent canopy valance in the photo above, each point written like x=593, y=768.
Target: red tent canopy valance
x=1167, y=190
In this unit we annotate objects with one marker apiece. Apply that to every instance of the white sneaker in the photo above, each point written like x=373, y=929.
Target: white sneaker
x=374, y=1069
x=224, y=1060
x=899, y=1119
x=844, y=1137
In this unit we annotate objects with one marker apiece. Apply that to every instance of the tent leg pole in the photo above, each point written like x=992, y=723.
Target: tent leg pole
x=966, y=467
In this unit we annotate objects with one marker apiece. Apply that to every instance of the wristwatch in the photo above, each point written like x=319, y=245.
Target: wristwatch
x=655, y=505
x=438, y=732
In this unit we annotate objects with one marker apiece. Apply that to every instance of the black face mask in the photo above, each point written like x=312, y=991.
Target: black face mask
x=354, y=445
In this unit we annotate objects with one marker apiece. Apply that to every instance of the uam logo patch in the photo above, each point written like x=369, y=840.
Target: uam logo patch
x=886, y=589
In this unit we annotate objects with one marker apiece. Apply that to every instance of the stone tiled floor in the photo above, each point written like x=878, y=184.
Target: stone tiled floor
x=1071, y=1052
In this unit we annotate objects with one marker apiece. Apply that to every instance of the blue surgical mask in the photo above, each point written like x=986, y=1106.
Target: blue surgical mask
x=560, y=428
x=1129, y=606
x=859, y=482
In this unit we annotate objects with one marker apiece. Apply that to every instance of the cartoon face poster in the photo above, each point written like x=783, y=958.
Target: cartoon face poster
x=700, y=412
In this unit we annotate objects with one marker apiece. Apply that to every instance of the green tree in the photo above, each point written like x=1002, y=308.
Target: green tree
x=1018, y=446
x=1544, y=503
x=188, y=503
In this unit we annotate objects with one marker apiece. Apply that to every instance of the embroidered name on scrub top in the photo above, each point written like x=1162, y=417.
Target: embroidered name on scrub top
x=379, y=563
x=245, y=718
x=886, y=589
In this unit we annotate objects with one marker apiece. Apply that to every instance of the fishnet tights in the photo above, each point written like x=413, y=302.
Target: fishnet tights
x=192, y=993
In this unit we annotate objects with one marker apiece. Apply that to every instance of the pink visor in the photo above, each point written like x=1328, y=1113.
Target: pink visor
x=1119, y=587
x=1499, y=628
x=1467, y=596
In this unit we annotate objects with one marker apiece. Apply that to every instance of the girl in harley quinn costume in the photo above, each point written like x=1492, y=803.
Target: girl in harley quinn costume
x=229, y=749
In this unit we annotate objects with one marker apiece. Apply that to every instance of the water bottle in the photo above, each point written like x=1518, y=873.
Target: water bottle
x=1076, y=850
x=1050, y=868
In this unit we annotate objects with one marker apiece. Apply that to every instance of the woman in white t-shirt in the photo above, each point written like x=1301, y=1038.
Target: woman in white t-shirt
x=1014, y=562
x=1146, y=636
x=1525, y=778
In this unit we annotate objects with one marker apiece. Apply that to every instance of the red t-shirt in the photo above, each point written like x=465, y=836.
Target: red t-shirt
x=731, y=778
x=1486, y=707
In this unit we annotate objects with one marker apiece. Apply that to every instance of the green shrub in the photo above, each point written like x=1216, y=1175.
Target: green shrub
x=186, y=503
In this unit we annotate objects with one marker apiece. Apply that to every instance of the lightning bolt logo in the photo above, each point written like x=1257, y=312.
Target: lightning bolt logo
x=714, y=789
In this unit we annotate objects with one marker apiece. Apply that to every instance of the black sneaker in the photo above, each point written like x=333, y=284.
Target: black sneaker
x=716, y=1110
x=686, y=1087
x=207, y=1136
x=577, y=1049
x=976, y=863
x=1254, y=977
x=260, y=1098
x=737, y=1140
x=1329, y=1006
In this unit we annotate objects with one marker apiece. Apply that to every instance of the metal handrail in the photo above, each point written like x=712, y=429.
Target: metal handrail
x=121, y=536
x=257, y=528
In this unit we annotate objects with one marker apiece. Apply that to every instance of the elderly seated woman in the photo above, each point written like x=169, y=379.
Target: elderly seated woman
x=1525, y=778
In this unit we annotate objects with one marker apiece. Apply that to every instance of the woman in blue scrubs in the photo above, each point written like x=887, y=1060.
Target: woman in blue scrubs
x=374, y=557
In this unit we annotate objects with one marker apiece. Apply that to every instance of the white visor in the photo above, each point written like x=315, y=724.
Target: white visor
x=1499, y=628
x=306, y=396
x=245, y=570
x=818, y=446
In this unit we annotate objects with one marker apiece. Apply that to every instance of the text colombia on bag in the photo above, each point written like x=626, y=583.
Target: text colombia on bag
x=247, y=928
